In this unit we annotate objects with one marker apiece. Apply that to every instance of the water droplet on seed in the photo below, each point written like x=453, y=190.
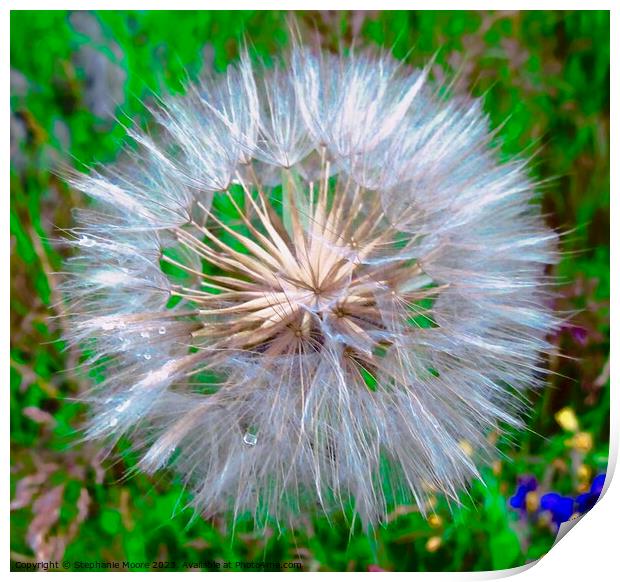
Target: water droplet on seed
x=162, y=330
x=250, y=439
x=124, y=405
x=86, y=242
x=147, y=356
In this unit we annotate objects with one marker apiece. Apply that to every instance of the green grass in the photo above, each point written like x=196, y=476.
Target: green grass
x=545, y=74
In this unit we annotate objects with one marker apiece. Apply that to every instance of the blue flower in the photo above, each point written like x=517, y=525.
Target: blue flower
x=585, y=501
x=560, y=507
x=525, y=484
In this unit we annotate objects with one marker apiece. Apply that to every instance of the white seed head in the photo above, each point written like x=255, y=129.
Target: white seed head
x=312, y=286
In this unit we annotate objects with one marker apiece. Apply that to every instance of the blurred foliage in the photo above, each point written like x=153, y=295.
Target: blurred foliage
x=545, y=74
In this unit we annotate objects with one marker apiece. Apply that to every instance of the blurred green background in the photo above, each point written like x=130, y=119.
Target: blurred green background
x=72, y=74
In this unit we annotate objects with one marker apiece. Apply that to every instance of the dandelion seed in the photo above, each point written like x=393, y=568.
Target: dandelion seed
x=329, y=251
x=250, y=439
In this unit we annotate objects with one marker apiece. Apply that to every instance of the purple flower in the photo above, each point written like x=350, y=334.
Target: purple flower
x=585, y=501
x=560, y=507
x=580, y=334
x=525, y=485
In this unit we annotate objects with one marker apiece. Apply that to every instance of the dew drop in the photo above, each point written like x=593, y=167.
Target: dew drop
x=147, y=356
x=250, y=439
x=113, y=422
x=123, y=406
x=86, y=242
x=162, y=330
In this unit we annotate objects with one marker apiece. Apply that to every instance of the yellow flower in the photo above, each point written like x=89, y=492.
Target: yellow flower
x=532, y=502
x=433, y=544
x=434, y=521
x=567, y=419
x=584, y=473
x=581, y=442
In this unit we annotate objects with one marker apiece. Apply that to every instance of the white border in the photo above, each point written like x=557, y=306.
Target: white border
x=587, y=553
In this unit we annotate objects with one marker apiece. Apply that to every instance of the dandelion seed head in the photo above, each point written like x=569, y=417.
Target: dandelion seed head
x=312, y=284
